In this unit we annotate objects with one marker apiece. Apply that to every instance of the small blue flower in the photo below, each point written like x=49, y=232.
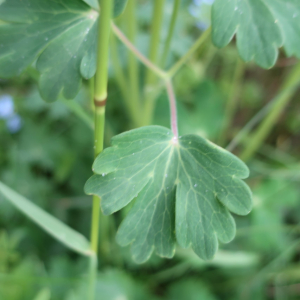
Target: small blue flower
x=194, y=10
x=14, y=123
x=208, y=1
x=200, y=9
x=6, y=106
x=13, y=120
x=198, y=2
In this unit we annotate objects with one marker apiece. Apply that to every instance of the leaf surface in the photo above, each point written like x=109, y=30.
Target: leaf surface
x=187, y=186
x=261, y=27
x=50, y=224
x=119, y=6
x=60, y=35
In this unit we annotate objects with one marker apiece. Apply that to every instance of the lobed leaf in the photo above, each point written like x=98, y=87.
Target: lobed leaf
x=59, y=34
x=260, y=26
x=50, y=224
x=184, y=190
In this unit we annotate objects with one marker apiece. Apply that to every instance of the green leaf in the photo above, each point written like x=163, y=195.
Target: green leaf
x=223, y=259
x=269, y=211
x=60, y=35
x=119, y=7
x=44, y=294
x=189, y=289
x=50, y=224
x=93, y=3
x=261, y=27
x=154, y=167
x=112, y=285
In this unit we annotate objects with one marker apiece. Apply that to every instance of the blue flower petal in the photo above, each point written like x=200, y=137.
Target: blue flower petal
x=14, y=123
x=6, y=106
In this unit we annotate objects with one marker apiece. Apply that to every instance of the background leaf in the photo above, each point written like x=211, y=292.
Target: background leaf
x=112, y=285
x=149, y=165
x=50, y=224
x=261, y=27
x=119, y=7
x=60, y=35
x=189, y=289
x=93, y=3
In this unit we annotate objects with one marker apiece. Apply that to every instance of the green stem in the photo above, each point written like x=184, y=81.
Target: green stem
x=122, y=82
x=154, y=68
x=91, y=85
x=133, y=66
x=285, y=95
x=92, y=276
x=201, y=40
x=150, y=80
x=241, y=136
x=119, y=74
x=100, y=96
x=170, y=32
x=232, y=99
x=157, y=19
x=99, y=129
x=101, y=77
x=79, y=112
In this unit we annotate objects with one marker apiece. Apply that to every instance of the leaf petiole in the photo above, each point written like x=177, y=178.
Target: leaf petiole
x=159, y=72
x=154, y=68
x=173, y=108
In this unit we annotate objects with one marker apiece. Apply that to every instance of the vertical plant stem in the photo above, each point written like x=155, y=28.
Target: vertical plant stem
x=232, y=99
x=170, y=32
x=119, y=74
x=122, y=82
x=91, y=85
x=133, y=66
x=95, y=223
x=101, y=77
x=100, y=96
x=285, y=95
x=99, y=127
x=173, y=108
x=157, y=19
x=92, y=276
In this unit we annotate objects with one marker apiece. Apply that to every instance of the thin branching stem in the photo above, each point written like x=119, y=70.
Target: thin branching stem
x=173, y=108
x=159, y=72
x=285, y=95
x=155, y=69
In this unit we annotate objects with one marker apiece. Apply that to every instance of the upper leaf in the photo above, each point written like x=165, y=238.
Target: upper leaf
x=261, y=27
x=187, y=186
x=59, y=34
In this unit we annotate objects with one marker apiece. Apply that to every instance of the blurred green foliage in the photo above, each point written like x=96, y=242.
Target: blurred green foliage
x=49, y=159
